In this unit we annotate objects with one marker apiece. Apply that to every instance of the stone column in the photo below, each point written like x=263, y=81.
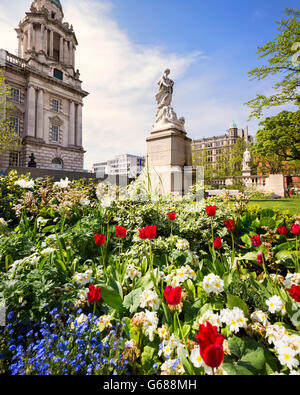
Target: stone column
x=72, y=123
x=30, y=37
x=19, y=45
x=51, y=44
x=46, y=41
x=66, y=53
x=40, y=114
x=25, y=43
x=61, y=49
x=33, y=46
x=71, y=53
x=41, y=41
x=73, y=57
x=79, y=126
x=30, y=111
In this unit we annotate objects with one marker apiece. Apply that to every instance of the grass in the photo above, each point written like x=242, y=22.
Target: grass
x=290, y=204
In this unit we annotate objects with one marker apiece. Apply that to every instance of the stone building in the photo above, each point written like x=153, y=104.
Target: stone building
x=213, y=145
x=45, y=90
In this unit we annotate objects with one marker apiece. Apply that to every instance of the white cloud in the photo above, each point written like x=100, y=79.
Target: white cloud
x=121, y=77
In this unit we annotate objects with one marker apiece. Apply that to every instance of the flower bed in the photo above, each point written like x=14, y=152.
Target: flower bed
x=96, y=282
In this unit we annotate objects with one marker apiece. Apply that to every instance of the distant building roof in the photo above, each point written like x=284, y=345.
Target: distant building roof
x=233, y=125
x=57, y=2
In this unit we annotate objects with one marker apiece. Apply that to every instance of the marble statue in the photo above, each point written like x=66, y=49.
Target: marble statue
x=246, y=159
x=165, y=113
x=164, y=96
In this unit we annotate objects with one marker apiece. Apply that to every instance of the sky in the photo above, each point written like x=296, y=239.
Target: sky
x=125, y=45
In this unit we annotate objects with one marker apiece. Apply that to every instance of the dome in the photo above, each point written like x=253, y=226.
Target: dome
x=233, y=125
x=57, y=2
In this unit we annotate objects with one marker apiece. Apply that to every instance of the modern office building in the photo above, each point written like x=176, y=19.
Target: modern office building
x=123, y=165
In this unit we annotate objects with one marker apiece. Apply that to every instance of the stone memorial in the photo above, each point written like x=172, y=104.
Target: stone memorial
x=169, y=158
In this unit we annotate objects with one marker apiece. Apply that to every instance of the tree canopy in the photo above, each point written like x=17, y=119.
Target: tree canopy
x=279, y=136
x=283, y=61
x=9, y=139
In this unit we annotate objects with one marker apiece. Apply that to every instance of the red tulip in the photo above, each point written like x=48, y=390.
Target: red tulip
x=94, y=294
x=173, y=295
x=100, y=239
x=229, y=225
x=211, y=345
x=260, y=257
x=149, y=232
x=218, y=242
x=211, y=211
x=294, y=292
x=296, y=229
x=256, y=240
x=282, y=230
x=172, y=216
x=120, y=231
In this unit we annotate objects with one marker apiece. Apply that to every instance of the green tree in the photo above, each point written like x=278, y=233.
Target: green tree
x=283, y=61
x=236, y=157
x=9, y=139
x=201, y=158
x=262, y=164
x=279, y=137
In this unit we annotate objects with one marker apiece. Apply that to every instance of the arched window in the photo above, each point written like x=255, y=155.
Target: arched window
x=57, y=163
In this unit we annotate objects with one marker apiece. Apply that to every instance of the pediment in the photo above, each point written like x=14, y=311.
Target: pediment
x=17, y=111
x=56, y=120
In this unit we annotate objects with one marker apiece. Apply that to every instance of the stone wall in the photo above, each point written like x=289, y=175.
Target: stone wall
x=56, y=174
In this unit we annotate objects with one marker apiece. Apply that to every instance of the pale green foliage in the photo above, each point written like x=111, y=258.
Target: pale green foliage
x=280, y=136
x=8, y=138
x=280, y=54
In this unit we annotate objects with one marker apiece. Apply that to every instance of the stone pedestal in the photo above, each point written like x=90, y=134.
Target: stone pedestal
x=275, y=183
x=169, y=159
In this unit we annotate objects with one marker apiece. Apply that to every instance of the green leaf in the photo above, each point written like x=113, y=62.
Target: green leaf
x=144, y=282
x=285, y=254
x=235, y=301
x=111, y=297
x=189, y=286
x=250, y=354
x=267, y=212
x=188, y=368
x=147, y=358
x=269, y=222
x=246, y=239
x=49, y=228
x=250, y=256
x=132, y=300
